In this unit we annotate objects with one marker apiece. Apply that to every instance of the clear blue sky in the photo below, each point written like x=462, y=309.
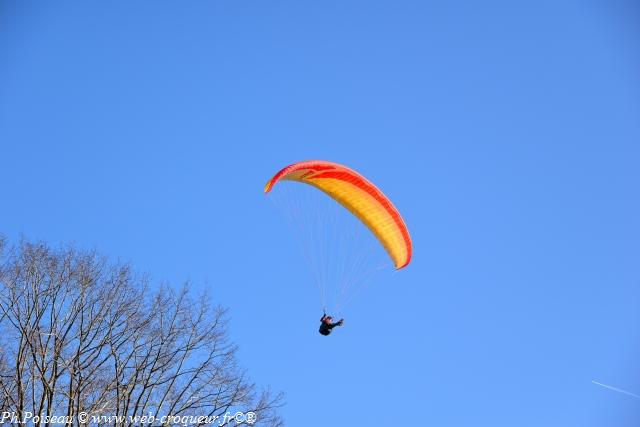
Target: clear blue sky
x=507, y=133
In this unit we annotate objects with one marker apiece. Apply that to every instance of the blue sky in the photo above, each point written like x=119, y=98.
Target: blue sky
x=507, y=133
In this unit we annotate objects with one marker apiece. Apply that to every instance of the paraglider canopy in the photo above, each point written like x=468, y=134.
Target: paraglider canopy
x=360, y=197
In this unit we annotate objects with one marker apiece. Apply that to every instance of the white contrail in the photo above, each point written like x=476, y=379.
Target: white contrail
x=619, y=390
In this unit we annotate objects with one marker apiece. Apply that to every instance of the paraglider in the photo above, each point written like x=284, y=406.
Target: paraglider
x=326, y=324
x=365, y=202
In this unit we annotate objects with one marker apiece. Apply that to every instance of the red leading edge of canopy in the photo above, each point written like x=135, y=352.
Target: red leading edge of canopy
x=314, y=165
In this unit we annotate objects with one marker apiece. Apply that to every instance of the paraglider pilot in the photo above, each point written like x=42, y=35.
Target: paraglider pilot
x=326, y=324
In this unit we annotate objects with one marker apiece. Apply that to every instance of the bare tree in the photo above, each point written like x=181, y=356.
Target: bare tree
x=89, y=342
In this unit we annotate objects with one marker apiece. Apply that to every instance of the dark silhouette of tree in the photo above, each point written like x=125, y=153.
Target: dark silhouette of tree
x=89, y=340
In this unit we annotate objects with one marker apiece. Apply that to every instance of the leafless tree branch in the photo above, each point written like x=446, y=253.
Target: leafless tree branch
x=81, y=335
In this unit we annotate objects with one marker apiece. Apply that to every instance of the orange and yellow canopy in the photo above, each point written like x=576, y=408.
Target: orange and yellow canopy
x=360, y=197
